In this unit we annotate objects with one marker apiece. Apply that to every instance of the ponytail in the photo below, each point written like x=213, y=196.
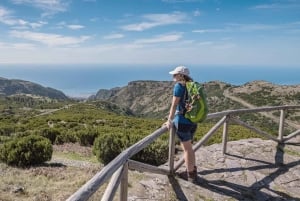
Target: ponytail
x=187, y=78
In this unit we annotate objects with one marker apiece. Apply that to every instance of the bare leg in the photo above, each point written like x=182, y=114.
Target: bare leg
x=189, y=155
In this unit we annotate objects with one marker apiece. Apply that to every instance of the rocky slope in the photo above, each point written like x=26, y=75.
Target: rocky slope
x=153, y=98
x=143, y=98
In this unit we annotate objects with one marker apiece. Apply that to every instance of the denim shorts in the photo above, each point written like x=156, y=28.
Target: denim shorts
x=185, y=132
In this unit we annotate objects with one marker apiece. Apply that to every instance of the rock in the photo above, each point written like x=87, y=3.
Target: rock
x=247, y=172
x=18, y=189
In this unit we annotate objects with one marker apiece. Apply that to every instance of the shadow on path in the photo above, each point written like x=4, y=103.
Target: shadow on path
x=260, y=190
x=253, y=192
x=177, y=189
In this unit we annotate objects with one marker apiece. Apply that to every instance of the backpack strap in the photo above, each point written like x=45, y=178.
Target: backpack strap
x=185, y=99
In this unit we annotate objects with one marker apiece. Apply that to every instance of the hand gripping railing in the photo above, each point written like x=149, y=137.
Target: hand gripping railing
x=117, y=169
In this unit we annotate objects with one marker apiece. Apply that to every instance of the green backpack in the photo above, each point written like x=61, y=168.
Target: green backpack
x=196, y=105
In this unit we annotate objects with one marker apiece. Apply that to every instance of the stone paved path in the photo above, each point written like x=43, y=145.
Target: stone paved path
x=252, y=169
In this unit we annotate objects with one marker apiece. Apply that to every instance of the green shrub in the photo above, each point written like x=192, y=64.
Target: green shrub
x=87, y=137
x=109, y=146
x=155, y=154
x=50, y=134
x=66, y=137
x=26, y=151
x=6, y=130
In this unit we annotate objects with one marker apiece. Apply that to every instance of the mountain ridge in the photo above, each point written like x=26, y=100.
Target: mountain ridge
x=153, y=98
x=10, y=87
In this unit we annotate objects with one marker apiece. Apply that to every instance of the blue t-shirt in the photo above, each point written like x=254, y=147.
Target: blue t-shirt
x=179, y=91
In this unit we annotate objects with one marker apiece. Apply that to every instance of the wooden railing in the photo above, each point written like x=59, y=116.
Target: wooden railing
x=117, y=169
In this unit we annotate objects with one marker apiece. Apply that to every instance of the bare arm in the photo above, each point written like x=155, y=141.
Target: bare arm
x=175, y=102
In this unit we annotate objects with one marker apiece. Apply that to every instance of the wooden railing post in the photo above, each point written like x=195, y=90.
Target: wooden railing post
x=171, y=149
x=124, y=183
x=281, y=125
x=225, y=136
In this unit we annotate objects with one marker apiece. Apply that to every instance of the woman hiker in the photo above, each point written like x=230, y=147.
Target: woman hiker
x=185, y=129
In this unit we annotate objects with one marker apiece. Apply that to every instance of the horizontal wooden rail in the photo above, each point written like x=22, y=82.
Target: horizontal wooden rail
x=258, y=131
x=255, y=110
x=297, y=132
x=135, y=165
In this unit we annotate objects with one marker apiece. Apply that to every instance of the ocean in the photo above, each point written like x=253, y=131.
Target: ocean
x=85, y=80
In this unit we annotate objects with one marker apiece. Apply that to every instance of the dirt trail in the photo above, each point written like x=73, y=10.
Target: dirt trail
x=250, y=106
x=49, y=111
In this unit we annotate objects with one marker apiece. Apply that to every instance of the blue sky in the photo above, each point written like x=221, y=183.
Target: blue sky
x=197, y=32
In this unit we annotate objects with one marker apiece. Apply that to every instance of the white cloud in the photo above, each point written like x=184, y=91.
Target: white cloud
x=48, y=6
x=160, y=39
x=181, y=1
x=207, y=53
x=94, y=19
x=17, y=46
x=224, y=46
x=63, y=24
x=49, y=39
x=209, y=30
x=236, y=27
x=75, y=26
x=39, y=24
x=4, y=11
x=114, y=36
x=154, y=20
x=174, y=18
x=21, y=24
x=205, y=43
x=139, y=27
x=197, y=13
x=279, y=6
x=7, y=18
x=254, y=27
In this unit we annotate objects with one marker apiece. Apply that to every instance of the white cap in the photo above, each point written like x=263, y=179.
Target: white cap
x=180, y=70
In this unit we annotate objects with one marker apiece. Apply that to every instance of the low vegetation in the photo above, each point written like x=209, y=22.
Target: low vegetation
x=26, y=151
x=93, y=124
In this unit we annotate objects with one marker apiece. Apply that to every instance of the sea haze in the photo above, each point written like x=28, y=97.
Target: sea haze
x=85, y=80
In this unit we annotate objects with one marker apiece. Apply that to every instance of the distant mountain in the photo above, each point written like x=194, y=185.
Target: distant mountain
x=10, y=87
x=143, y=98
x=153, y=98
